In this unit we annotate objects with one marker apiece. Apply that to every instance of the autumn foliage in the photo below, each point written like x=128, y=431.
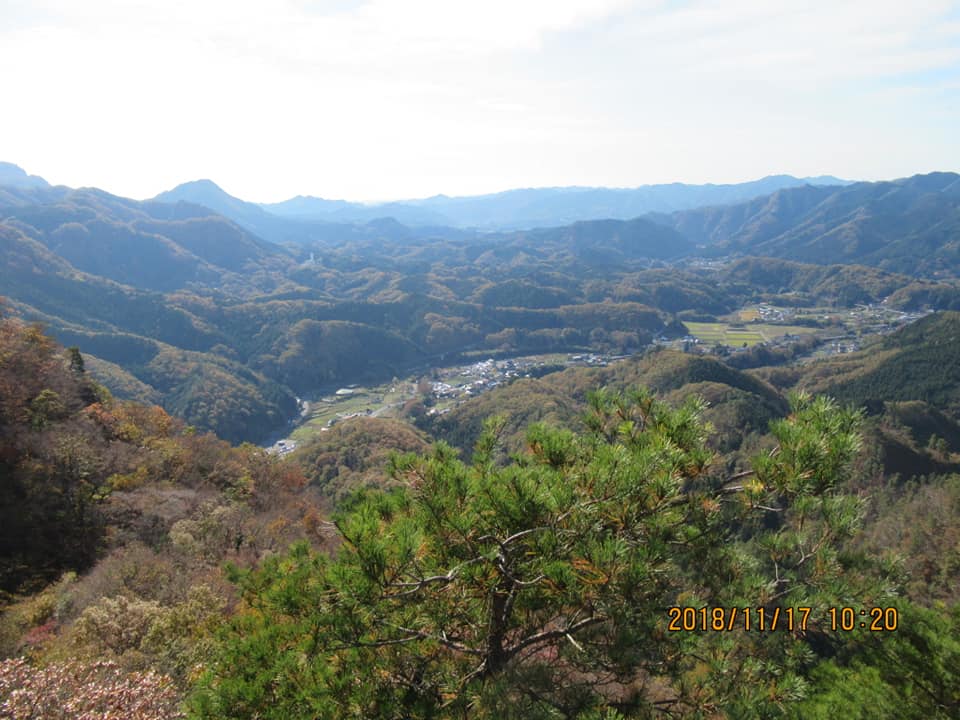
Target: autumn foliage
x=84, y=691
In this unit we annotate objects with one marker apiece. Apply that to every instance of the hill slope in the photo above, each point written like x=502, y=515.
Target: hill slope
x=910, y=225
x=919, y=362
x=152, y=246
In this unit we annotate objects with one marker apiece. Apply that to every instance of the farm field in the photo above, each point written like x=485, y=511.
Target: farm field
x=362, y=401
x=736, y=335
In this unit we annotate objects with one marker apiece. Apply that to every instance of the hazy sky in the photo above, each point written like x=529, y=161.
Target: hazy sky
x=407, y=98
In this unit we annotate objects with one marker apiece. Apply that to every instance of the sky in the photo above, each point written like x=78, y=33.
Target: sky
x=392, y=99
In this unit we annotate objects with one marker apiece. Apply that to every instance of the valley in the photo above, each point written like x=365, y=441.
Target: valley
x=434, y=392
x=177, y=303
x=264, y=422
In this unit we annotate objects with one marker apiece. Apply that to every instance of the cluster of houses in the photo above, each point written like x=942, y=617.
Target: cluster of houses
x=487, y=375
x=592, y=360
x=283, y=447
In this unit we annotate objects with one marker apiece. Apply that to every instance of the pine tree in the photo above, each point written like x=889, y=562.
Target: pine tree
x=541, y=588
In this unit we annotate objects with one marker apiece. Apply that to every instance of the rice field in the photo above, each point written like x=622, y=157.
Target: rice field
x=736, y=335
x=335, y=407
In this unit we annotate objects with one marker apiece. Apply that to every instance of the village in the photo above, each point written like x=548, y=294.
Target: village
x=440, y=389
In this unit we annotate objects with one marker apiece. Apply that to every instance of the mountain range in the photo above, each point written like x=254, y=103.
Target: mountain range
x=910, y=225
x=509, y=210
x=225, y=311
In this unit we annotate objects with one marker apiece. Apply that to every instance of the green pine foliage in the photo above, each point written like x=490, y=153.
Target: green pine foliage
x=541, y=588
x=910, y=674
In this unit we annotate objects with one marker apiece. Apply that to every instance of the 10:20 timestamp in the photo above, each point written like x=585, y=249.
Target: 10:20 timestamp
x=873, y=619
x=717, y=619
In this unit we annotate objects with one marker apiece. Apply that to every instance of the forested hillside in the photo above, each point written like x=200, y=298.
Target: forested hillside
x=921, y=362
x=115, y=520
x=84, y=473
x=601, y=515
x=907, y=226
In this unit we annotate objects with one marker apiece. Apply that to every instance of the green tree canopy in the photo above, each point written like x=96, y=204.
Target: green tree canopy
x=541, y=588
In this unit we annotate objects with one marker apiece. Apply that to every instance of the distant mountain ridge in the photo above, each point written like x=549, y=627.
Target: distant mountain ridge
x=14, y=176
x=250, y=215
x=538, y=207
x=910, y=225
x=306, y=219
x=148, y=245
x=275, y=227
